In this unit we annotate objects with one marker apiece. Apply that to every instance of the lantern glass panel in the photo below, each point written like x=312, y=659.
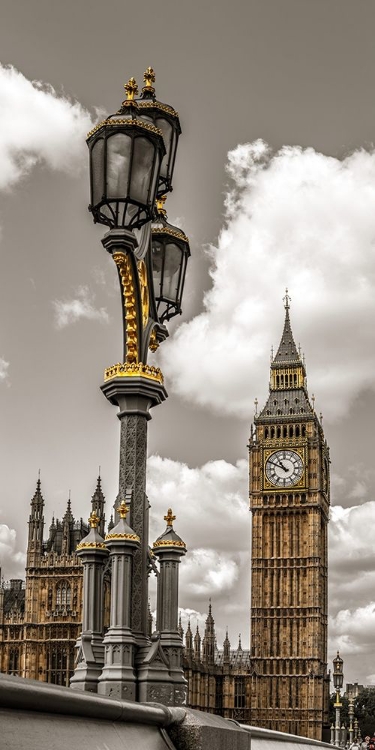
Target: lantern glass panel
x=171, y=275
x=118, y=161
x=167, y=130
x=142, y=169
x=97, y=167
x=157, y=266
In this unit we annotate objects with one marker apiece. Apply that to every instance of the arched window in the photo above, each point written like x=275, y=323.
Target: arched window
x=303, y=430
x=297, y=431
x=278, y=432
x=63, y=595
x=272, y=432
x=291, y=431
x=266, y=433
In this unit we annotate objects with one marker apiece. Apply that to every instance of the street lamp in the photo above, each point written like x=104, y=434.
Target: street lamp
x=338, y=681
x=170, y=253
x=132, y=157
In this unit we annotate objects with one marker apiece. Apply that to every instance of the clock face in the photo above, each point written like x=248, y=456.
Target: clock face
x=284, y=468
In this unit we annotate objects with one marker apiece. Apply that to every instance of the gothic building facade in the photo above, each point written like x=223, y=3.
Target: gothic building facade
x=289, y=501
x=41, y=619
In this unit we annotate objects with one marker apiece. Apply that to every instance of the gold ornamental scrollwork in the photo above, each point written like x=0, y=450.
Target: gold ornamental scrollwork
x=145, y=299
x=132, y=537
x=169, y=544
x=125, y=370
x=131, y=328
x=91, y=545
x=153, y=343
x=126, y=124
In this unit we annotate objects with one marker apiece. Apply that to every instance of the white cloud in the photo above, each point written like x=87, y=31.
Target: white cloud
x=12, y=563
x=82, y=306
x=297, y=219
x=210, y=502
x=4, y=365
x=38, y=125
x=212, y=517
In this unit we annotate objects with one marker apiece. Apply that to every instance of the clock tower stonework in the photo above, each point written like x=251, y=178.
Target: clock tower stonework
x=289, y=501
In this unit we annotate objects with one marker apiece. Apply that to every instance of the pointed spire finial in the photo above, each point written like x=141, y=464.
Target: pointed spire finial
x=287, y=299
x=313, y=400
x=321, y=418
x=131, y=89
x=239, y=642
x=149, y=79
x=272, y=354
x=169, y=518
x=94, y=520
x=256, y=402
x=122, y=509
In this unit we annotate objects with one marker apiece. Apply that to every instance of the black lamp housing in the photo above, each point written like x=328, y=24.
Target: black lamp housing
x=169, y=256
x=166, y=119
x=338, y=674
x=126, y=154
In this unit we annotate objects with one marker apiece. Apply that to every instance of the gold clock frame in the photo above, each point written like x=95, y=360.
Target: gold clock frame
x=301, y=484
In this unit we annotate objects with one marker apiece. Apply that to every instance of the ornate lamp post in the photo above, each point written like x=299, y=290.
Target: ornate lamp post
x=338, y=681
x=132, y=157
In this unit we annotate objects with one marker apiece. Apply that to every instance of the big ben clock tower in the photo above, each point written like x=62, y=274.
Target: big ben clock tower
x=289, y=501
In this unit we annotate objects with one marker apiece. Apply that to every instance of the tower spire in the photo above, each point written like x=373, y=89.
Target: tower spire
x=287, y=351
x=36, y=522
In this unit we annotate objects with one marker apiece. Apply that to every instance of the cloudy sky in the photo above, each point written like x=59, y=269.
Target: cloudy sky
x=275, y=186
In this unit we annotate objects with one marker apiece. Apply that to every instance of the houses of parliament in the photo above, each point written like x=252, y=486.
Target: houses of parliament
x=282, y=681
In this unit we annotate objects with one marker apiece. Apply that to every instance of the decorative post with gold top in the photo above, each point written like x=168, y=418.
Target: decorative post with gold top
x=90, y=650
x=118, y=679
x=132, y=157
x=168, y=548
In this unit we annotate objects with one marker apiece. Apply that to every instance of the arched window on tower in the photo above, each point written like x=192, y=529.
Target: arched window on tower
x=14, y=661
x=63, y=595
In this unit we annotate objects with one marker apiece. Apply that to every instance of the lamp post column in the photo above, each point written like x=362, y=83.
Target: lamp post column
x=135, y=388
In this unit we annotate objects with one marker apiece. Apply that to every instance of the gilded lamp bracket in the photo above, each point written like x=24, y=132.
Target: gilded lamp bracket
x=141, y=327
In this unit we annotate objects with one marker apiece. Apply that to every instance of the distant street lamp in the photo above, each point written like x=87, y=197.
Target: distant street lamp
x=338, y=681
x=132, y=158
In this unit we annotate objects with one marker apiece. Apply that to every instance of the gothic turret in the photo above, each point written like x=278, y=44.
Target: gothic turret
x=209, y=638
x=36, y=525
x=98, y=504
x=226, y=649
x=189, y=642
x=197, y=645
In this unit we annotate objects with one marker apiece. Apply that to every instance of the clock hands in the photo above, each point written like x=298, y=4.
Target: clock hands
x=278, y=464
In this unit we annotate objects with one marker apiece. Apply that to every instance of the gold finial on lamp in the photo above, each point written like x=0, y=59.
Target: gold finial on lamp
x=149, y=79
x=131, y=89
x=160, y=204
